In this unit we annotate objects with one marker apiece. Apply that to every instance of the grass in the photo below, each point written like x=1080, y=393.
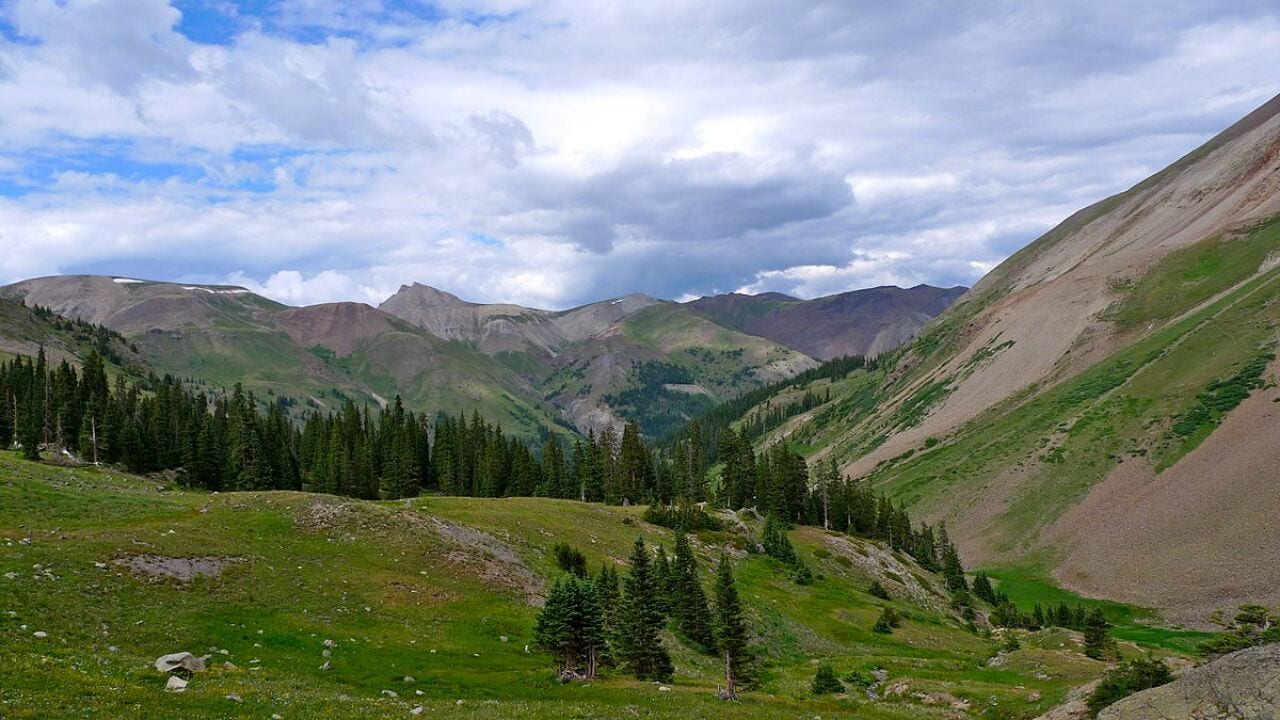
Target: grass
x=400, y=598
x=1191, y=275
x=1026, y=587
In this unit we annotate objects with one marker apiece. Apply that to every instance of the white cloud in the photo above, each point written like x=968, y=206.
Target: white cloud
x=672, y=148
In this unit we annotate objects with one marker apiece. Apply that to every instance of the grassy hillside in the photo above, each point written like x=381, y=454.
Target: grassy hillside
x=440, y=590
x=24, y=330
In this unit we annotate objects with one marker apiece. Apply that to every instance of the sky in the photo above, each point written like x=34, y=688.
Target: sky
x=557, y=152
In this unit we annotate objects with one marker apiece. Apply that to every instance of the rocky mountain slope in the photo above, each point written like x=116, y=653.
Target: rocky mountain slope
x=861, y=322
x=1101, y=406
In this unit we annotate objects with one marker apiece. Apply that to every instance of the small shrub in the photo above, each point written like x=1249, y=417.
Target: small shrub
x=684, y=516
x=1127, y=679
x=825, y=681
x=887, y=621
x=571, y=560
x=1011, y=643
x=877, y=590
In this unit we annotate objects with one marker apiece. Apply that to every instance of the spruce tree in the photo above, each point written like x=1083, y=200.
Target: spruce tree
x=730, y=628
x=1097, y=643
x=610, y=602
x=571, y=626
x=640, y=621
x=688, y=601
x=952, y=570
x=662, y=578
x=982, y=588
x=825, y=681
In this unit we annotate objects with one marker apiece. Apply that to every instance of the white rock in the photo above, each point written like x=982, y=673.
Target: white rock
x=175, y=684
x=409, y=679
x=502, y=638
x=330, y=643
x=234, y=698
x=327, y=665
x=391, y=693
x=417, y=711
x=184, y=660
x=664, y=688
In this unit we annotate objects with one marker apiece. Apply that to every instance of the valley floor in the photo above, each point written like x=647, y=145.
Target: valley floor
x=430, y=603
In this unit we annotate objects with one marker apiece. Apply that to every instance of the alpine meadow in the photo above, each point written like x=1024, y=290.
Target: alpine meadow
x=545, y=359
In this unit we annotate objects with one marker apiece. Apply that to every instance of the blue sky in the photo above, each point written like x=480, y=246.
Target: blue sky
x=554, y=152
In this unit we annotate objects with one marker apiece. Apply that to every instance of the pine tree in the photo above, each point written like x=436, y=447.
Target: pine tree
x=825, y=681
x=640, y=621
x=730, y=628
x=982, y=588
x=1097, y=642
x=610, y=602
x=571, y=626
x=688, y=601
x=662, y=578
x=953, y=570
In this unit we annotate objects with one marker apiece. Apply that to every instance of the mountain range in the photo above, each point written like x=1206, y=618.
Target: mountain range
x=634, y=358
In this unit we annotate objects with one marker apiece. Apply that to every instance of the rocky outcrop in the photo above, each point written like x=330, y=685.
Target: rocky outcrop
x=1244, y=685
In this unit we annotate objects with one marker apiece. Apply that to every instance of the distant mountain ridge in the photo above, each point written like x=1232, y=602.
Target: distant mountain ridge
x=590, y=367
x=860, y=322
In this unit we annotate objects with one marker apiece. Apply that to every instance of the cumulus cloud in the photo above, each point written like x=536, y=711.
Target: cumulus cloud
x=554, y=152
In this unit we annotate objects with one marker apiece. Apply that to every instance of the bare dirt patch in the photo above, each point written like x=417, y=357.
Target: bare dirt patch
x=181, y=569
x=490, y=558
x=1200, y=536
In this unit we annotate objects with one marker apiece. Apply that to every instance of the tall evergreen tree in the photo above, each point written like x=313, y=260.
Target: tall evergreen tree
x=571, y=626
x=640, y=621
x=1097, y=641
x=688, y=601
x=730, y=628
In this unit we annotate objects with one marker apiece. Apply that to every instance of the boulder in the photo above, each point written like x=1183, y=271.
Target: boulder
x=179, y=661
x=1244, y=685
x=175, y=684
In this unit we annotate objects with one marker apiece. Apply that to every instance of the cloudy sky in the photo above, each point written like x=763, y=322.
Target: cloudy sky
x=554, y=152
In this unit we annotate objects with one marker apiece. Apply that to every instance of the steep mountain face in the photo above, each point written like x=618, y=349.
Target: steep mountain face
x=1102, y=406
x=861, y=322
x=629, y=358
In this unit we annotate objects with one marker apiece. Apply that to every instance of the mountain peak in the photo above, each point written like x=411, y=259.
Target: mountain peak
x=427, y=295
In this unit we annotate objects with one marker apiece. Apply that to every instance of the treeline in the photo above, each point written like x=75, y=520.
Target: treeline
x=226, y=442
x=715, y=421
